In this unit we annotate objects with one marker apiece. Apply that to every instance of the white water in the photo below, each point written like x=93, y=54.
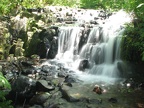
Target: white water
x=102, y=48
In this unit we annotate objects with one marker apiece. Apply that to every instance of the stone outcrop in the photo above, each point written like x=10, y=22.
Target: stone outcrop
x=36, y=30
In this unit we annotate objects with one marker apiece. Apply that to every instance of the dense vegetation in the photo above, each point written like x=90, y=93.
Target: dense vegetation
x=132, y=44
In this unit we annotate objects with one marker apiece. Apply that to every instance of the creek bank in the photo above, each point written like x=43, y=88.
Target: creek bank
x=48, y=84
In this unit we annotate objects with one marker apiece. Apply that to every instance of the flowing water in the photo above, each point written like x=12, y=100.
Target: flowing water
x=99, y=45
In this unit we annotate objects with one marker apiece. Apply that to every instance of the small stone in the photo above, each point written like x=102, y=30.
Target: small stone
x=36, y=106
x=97, y=89
x=113, y=100
x=43, y=85
x=39, y=98
x=94, y=101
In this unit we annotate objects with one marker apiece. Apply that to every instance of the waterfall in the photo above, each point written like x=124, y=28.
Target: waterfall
x=68, y=42
x=99, y=45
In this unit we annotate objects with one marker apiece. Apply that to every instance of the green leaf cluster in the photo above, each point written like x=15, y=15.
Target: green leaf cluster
x=70, y=3
x=4, y=89
x=11, y=6
x=8, y=6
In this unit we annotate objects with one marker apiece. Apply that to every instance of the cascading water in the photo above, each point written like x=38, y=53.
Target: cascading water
x=99, y=45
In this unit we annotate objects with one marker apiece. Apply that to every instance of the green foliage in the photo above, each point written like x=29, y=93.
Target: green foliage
x=132, y=42
x=4, y=88
x=32, y=3
x=8, y=6
x=70, y=3
x=4, y=84
x=90, y=4
x=128, y=5
x=11, y=6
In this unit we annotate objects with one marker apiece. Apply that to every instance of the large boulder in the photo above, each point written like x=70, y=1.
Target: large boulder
x=43, y=85
x=22, y=88
x=43, y=43
x=83, y=65
x=39, y=98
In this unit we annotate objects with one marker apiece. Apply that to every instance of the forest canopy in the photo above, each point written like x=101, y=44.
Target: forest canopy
x=6, y=6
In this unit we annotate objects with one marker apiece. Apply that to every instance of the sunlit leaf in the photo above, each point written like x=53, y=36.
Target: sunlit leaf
x=140, y=5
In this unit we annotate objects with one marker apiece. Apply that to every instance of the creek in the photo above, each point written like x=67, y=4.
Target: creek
x=87, y=71
x=91, y=46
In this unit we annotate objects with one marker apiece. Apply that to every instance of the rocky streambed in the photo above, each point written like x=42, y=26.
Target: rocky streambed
x=47, y=84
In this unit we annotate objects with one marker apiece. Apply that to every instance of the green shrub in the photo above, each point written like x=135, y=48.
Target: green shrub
x=4, y=89
x=132, y=42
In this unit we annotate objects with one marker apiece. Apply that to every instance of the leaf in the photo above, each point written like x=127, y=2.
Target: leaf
x=140, y=5
x=4, y=84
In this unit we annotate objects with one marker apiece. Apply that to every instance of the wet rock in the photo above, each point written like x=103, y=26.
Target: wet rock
x=83, y=36
x=65, y=90
x=45, y=68
x=28, y=71
x=83, y=65
x=22, y=88
x=51, y=105
x=36, y=106
x=69, y=22
x=47, y=33
x=94, y=101
x=26, y=63
x=141, y=86
x=70, y=79
x=112, y=100
x=96, y=18
x=39, y=98
x=53, y=49
x=102, y=14
x=121, y=67
x=46, y=37
x=49, y=70
x=35, y=59
x=93, y=22
x=56, y=28
x=62, y=74
x=130, y=83
x=43, y=85
x=69, y=13
x=56, y=81
x=69, y=84
x=97, y=90
x=54, y=101
x=60, y=19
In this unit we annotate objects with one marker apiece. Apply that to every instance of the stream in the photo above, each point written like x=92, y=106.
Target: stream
x=87, y=71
